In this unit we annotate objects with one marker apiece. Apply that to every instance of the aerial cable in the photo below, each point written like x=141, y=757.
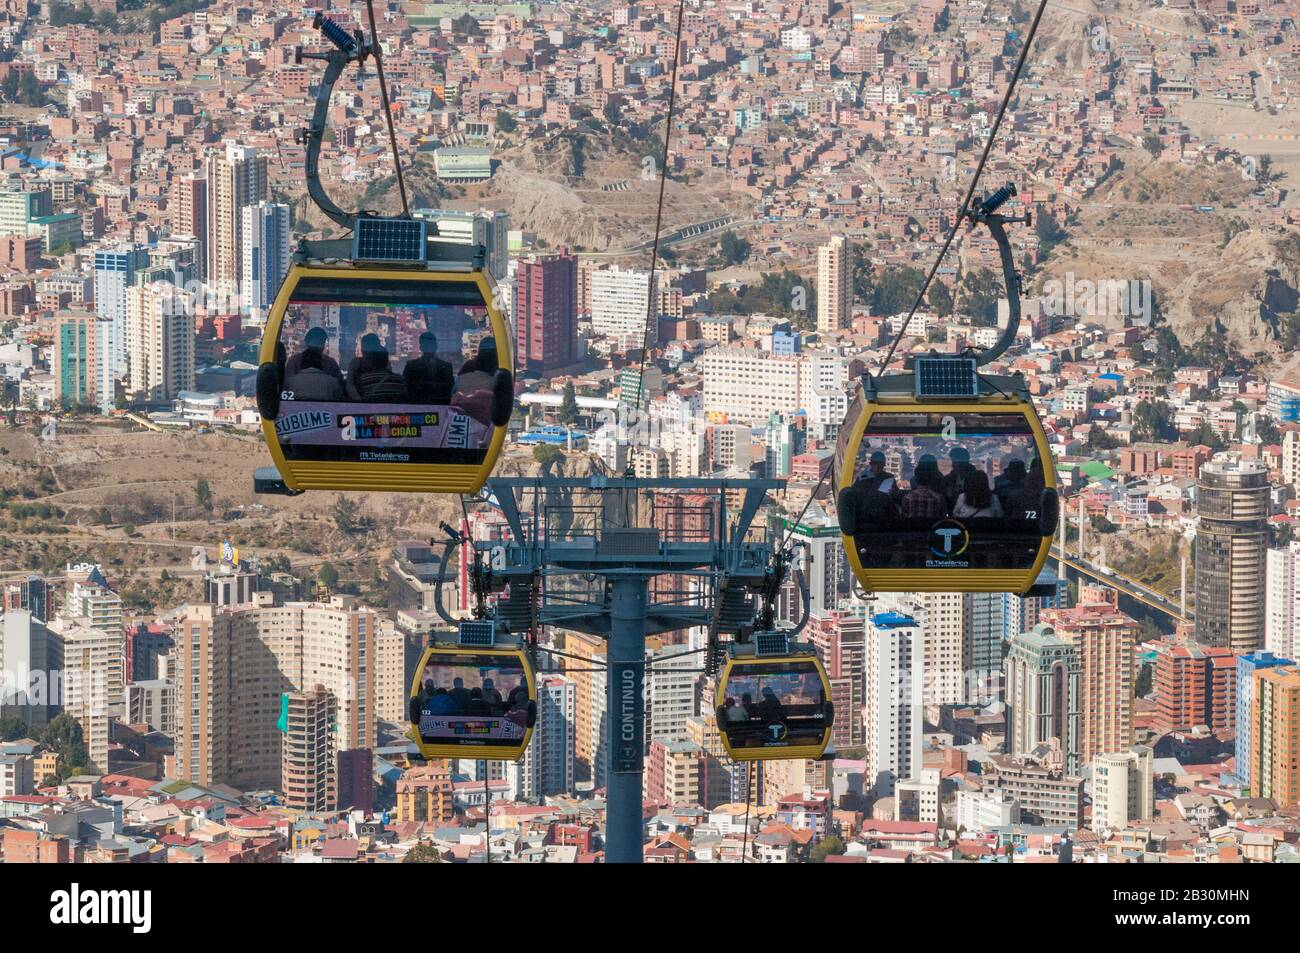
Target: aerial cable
x=963, y=210
x=652, y=302
x=388, y=109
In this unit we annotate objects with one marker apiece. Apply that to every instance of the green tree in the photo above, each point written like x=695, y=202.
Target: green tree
x=569, y=405
x=546, y=455
x=346, y=513
x=1144, y=681
x=422, y=854
x=63, y=736
x=980, y=293
x=1049, y=232
x=734, y=248
x=827, y=846
x=203, y=494
x=612, y=113
x=896, y=290
x=1153, y=421
x=12, y=728
x=506, y=122
x=940, y=299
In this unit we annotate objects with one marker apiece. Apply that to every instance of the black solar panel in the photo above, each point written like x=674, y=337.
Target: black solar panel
x=771, y=643
x=389, y=239
x=481, y=633
x=946, y=377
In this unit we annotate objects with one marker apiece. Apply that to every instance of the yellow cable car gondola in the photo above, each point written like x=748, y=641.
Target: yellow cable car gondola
x=773, y=700
x=385, y=361
x=384, y=376
x=944, y=476
x=475, y=698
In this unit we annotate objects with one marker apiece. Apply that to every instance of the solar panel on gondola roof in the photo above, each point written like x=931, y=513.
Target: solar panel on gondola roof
x=389, y=239
x=946, y=377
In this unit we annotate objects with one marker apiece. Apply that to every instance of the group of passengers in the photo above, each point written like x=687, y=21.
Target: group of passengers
x=484, y=700
x=962, y=493
x=767, y=709
x=311, y=374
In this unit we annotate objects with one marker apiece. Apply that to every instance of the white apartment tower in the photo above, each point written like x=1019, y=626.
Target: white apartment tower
x=893, y=713
x=834, y=285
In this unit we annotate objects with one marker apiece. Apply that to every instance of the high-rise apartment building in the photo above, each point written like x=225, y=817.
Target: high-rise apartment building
x=1043, y=698
x=29, y=653
x=670, y=693
x=160, y=342
x=620, y=301
x=1247, y=665
x=840, y=641
x=588, y=678
x=307, y=756
x=1275, y=735
x=1282, y=600
x=893, y=715
x=233, y=665
x=115, y=274
x=189, y=215
x=1194, y=686
x=547, y=767
x=1105, y=639
x=545, y=312
x=1232, y=500
x=92, y=687
x=236, y=177
x=264, y=255
x=834, y=285
x=79, y=341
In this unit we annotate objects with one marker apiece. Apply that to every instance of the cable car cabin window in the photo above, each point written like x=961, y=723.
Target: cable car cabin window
x=386, y=371
x=947, y=491
x=473, y=700
x=773, y=704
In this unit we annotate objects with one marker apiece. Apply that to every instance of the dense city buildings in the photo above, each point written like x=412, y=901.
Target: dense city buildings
x=1140, y=706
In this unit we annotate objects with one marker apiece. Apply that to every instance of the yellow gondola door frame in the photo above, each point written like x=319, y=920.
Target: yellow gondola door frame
x=385, y=476
x=471, y=746
x=773, y=749
x=926, y=579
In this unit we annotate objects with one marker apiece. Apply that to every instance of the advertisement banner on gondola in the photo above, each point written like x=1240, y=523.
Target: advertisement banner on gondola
x=392, y=427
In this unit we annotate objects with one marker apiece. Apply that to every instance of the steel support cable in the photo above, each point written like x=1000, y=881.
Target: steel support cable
x=974, y=183
x=652, y=303
x=378, y=54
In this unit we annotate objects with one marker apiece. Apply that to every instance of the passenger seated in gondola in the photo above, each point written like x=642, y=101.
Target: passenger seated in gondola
x=925, y=499
x=1009, y=484
x=1029, y=498
x=477, y=703
x=955, y=480
x=747, y=703
x=312, y=381
x=875, y=492
x=518, y=697
x=314, y=343
x=770, y=708
x=440, y=703
x=490, y=692
x=473, y=393
x=369, y=377
x=459, y=696
x=977, y=500
x=428, y=378
x=734, y=712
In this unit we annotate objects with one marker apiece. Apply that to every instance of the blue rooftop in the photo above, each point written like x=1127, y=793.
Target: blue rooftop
x=891, y=620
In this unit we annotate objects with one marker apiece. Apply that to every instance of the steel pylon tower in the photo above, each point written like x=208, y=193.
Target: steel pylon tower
x=551, y=537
